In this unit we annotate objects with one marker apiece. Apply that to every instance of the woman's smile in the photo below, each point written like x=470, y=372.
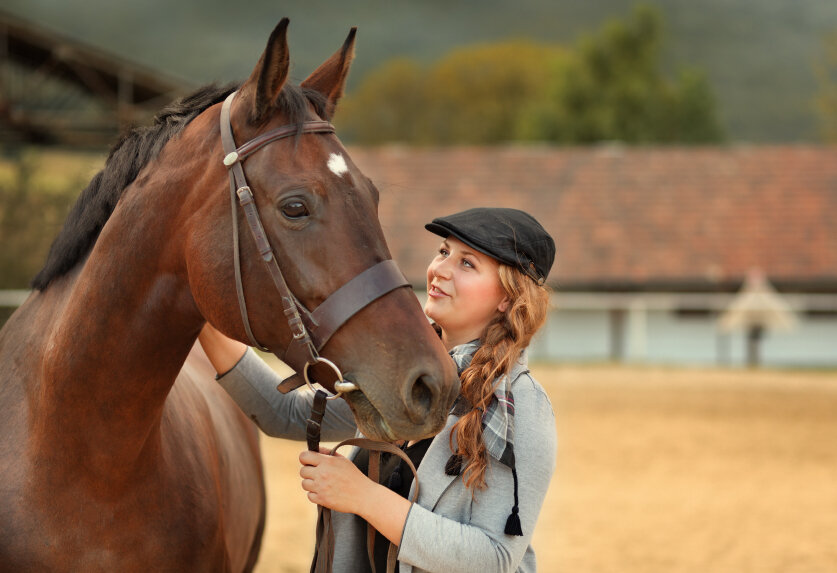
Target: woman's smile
x=436, y=292
x=463, y=291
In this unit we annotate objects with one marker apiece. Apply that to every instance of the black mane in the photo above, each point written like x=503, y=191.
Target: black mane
x=130, y=154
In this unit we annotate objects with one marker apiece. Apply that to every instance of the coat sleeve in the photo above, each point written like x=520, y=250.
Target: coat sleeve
x=431, y=541
x=252, y=384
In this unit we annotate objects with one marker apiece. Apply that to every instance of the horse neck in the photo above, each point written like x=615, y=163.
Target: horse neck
x=115, y=351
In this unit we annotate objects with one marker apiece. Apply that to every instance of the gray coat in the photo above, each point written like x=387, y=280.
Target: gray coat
x=448, y=529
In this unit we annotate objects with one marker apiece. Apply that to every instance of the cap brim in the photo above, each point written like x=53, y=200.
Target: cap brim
x=438, y=229
x=446, y=232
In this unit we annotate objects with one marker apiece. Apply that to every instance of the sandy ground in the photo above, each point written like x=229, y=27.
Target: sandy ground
x=659, y=470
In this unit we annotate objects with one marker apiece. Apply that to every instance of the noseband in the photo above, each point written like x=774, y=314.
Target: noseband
x=310, y=329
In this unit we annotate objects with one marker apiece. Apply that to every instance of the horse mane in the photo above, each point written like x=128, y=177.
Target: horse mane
x=127, y=158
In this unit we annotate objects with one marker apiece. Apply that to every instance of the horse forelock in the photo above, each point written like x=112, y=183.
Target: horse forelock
x=295, y=103
x=134, y=151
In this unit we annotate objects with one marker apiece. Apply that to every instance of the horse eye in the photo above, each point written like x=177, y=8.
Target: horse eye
x=295, y=209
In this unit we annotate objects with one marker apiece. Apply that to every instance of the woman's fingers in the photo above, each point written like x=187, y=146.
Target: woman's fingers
x=308, y=458
x=331, y=481
x=308, y=485
x=307, y=472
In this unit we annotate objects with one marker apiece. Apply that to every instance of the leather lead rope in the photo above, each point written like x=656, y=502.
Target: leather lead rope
x=314, y=423
x=324, y=550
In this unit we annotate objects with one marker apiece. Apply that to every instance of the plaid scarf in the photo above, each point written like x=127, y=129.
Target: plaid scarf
x=497, y=427
x=498, y=417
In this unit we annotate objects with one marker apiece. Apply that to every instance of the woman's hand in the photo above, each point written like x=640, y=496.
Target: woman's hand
x=334, y=481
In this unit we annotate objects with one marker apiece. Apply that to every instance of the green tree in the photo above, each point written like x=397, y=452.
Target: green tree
x=826, y=98
x=609, y=87
x=473, y=95
x=31, y=214
x=688, y=112
x=614, y=89
x=387, y=106
x=476, y=95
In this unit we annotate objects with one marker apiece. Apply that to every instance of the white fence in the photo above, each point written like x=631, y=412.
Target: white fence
x=662, y=328
x=13, y=298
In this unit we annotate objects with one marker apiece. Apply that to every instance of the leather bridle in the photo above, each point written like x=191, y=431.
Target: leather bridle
x=310, y=329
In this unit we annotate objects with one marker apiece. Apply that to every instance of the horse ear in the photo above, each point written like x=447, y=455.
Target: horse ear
x=330, y=78
x=263, y=86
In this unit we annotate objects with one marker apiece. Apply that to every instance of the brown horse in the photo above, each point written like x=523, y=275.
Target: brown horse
x=111, y=458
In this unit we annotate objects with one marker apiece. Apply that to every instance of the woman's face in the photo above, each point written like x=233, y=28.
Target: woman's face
x=463, y=291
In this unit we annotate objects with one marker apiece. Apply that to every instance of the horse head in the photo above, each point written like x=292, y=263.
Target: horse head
x=318, y=213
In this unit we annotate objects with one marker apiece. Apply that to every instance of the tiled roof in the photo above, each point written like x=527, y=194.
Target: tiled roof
x=625, y=217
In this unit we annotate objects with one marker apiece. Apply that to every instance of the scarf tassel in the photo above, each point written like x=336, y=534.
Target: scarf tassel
x=453, y=467
x=513, y=522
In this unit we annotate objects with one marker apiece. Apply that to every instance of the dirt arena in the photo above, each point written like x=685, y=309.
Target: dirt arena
x=659, y=470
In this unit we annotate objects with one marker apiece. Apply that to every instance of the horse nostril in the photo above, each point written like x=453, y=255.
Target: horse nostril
x=421, y=398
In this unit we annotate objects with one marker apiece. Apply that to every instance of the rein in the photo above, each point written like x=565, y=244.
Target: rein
x=310, y=329
x=324, y=548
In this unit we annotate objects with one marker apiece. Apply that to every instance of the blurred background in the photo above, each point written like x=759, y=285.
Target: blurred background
x=684, y=157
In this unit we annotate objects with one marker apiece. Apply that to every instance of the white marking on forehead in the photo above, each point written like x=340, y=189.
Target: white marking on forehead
x=337, y=164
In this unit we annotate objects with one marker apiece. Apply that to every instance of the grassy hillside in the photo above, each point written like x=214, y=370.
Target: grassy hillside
x=758, y=52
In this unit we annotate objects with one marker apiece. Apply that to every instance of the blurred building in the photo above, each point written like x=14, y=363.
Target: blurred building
x=653, y=243
x=58, y=91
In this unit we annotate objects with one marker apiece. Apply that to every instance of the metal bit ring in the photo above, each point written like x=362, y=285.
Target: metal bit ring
x=341, y=386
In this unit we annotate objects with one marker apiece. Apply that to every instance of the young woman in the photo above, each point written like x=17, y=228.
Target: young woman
x=485, y=475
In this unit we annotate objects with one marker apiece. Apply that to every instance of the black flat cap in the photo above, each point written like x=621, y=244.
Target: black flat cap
x=511, y=236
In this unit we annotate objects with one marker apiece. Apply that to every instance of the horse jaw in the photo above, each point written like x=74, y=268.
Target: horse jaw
x=369, y=420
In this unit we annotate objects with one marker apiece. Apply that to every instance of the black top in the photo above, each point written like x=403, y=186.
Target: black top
x=396, y=475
